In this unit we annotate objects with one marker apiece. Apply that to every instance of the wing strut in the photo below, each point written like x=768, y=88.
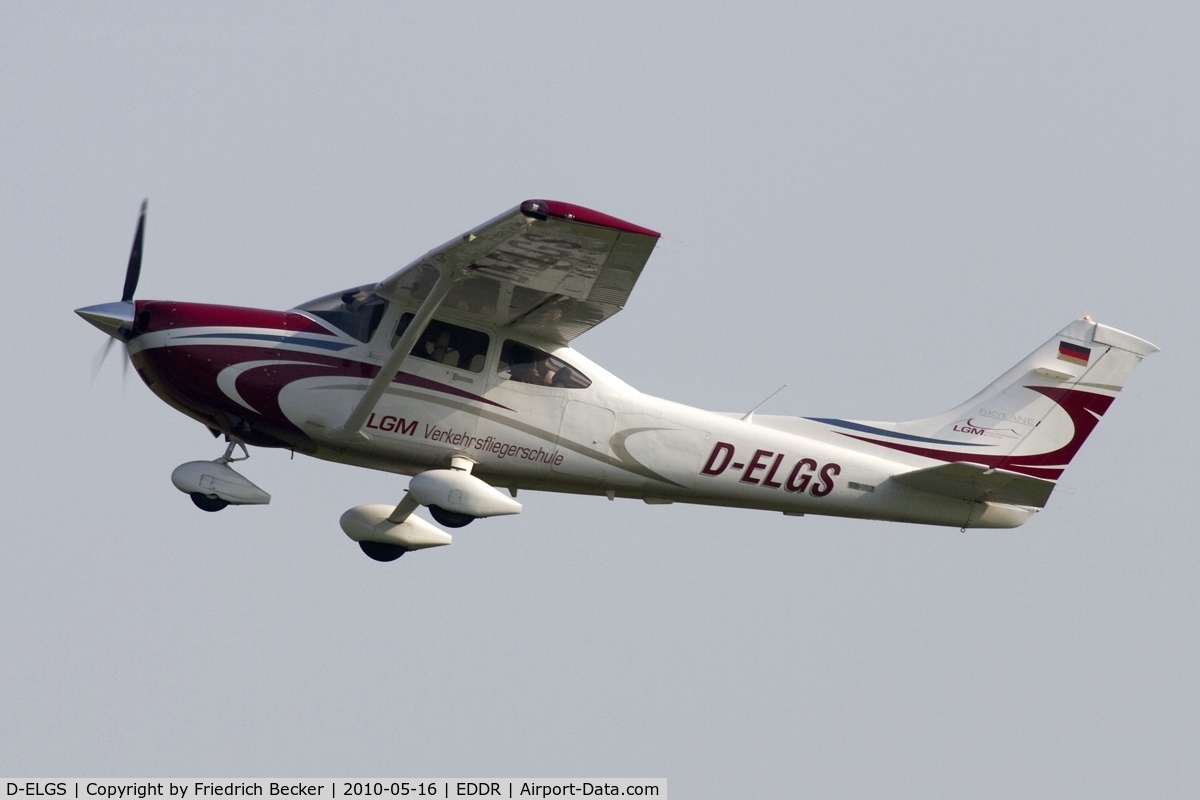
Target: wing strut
x=351, y=429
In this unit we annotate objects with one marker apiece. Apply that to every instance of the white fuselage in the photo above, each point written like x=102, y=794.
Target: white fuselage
x=610, y=439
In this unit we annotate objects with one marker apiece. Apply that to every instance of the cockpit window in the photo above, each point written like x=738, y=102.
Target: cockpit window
x=526, y=364
x=355, y=311
x=444, y=343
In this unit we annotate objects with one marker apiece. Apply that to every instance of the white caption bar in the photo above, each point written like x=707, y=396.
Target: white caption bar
x=330, y=789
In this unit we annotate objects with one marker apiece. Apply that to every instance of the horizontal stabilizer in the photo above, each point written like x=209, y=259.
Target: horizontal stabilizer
x=976, y=483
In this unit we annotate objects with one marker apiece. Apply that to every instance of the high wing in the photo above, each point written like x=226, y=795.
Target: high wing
x=552, y=269
x=549, y=268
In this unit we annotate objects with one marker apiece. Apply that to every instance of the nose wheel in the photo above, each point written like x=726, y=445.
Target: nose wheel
x=211, y=502
x=214, y=485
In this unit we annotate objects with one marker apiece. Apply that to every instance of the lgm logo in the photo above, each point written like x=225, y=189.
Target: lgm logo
x=393, y=424
x=970, y=427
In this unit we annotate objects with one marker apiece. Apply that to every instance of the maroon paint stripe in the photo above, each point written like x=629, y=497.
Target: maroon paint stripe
x=950, y=456
x=1084, y=408
x=205, y=361
x=561, y=210
x=161, y=315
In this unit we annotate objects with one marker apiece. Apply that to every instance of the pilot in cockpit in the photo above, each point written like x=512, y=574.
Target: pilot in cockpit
x=539, y=372
x=362, y=311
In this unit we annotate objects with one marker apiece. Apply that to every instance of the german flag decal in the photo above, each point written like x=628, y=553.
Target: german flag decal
x=1074, y=353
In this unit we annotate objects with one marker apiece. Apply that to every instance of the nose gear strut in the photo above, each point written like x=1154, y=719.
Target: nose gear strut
x=213, y=485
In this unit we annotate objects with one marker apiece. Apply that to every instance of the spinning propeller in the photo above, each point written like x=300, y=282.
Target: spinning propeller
x=134, y=270
x=116, y=319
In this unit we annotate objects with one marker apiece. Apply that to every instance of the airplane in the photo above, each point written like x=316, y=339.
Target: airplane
x=458, y=371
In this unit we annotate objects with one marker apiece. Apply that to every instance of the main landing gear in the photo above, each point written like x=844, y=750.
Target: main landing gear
x=454, y=498
x=386, y=532
x=214, y=485
x=451, y=519
x=381, y=551
x=206, y=503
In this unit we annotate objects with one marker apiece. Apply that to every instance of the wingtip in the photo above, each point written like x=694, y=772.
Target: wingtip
x=557, y=209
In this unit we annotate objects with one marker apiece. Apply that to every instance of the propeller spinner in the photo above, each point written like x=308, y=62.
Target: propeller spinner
x=116, y=319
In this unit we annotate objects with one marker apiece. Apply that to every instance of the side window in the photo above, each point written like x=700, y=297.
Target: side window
x=525, y=364
x=443, y=343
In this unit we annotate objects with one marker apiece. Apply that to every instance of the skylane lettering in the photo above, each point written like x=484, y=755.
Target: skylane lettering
x=774, y=470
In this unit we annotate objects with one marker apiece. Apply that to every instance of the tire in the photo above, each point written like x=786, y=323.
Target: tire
x=451, y=519
x=381, y=551
x=206, y=503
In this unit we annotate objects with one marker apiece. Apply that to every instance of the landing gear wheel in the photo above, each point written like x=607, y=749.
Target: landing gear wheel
x=206, y=503
x=451, y=519
x=381, y=551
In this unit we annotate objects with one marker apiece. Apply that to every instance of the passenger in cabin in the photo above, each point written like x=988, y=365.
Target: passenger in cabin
x=526, y=364
x=529, y=365
x=543, y=371
x=525, y=372
x=564, y=378
x=441, y=350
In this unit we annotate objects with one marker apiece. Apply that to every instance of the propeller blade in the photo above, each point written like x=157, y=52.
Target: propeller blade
x=99, y=359
x=134, y=270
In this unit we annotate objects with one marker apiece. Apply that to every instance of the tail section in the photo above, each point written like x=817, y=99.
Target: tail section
x=1033, y=419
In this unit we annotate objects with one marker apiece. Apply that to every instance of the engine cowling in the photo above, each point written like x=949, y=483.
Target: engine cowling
x=462, y=493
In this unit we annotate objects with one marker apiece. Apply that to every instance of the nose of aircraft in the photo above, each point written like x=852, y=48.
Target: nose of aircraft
x=115, y=319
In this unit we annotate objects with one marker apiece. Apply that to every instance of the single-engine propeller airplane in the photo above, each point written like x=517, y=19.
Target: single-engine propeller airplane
x=458, y=370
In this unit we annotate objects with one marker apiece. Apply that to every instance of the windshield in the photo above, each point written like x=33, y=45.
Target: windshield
x=356, y=311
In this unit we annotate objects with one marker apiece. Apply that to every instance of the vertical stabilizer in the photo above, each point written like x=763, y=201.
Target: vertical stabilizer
x=1034, y=418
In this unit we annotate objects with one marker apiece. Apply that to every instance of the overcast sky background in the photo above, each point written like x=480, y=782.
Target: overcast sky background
x=883, y=205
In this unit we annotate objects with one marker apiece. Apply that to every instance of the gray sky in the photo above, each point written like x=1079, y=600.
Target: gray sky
x=883, y=205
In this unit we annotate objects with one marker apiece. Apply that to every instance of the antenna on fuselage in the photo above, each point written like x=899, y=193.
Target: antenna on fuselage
x=749, y=414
